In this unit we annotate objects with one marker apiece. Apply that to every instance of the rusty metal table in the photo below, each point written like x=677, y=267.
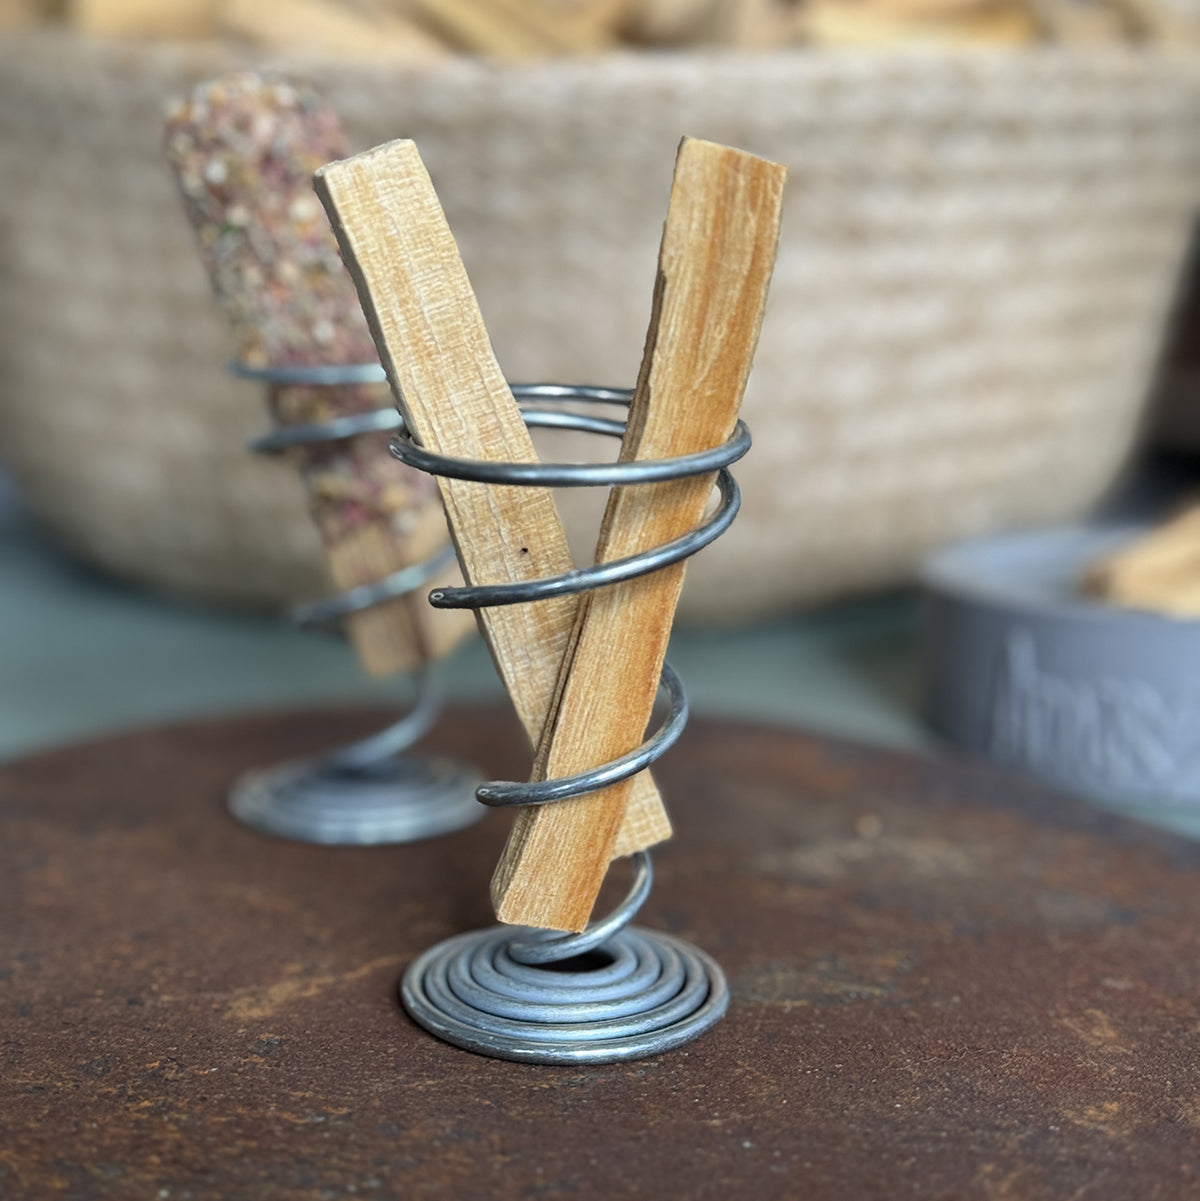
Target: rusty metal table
x=946, y=983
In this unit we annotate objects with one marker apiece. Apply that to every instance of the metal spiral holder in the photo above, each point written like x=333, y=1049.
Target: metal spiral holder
x=376, y=790
x=613, y=992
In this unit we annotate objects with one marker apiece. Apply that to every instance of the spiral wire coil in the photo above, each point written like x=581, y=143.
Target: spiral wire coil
x=372, y=790
x=611, y=992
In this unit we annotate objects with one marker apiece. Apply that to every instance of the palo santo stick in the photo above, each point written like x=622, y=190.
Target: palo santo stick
x=604, y=17
x=672, y=22
x=1079, y=22
x=144, y=18
x=482, y=27
x=23, y=14
x=568, y=26
x=751, y=24
x=331, y=28
x=714, y=268
x=837, y=23
x=1160, y=21
x=1159, y=572
x=522, y=28
x=244, y=149
x=454, y=397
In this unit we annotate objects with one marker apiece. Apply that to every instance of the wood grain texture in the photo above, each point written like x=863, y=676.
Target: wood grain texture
x=523, y=28
x=140, y=18
x=715, y=264
x=330, y=27
x=435, y=349
x=1158, y=572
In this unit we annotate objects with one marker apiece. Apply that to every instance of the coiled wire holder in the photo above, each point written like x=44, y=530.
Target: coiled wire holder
x=613, y=992
x=376, y=790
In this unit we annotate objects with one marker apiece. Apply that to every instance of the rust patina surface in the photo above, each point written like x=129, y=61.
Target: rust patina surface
x=946, y=984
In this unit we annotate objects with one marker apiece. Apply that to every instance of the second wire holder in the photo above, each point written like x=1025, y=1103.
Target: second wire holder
x=376, y=790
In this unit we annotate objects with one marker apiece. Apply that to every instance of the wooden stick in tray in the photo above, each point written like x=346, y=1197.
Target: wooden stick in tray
x=141, y=18
x=243, y=149
x=715, y=264
x=331, y=28
x=521, y=28
x=1158, y=571
x=454, y=397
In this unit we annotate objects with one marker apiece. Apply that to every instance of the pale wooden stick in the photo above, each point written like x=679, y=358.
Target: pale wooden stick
x=1076, y=23
x=435, y=349
x=483, y=27
x=23, y=14
x=753, y=24
x=521, y=28
x=834, y=23
x=331, y=28
x=718, y=250
x=570, y=26
x=144, y=18
x=1159, y=571
x=600, y=15
x=1160, y=22
x=673, y=22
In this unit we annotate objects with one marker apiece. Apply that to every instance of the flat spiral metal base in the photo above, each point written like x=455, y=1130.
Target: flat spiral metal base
x=638, y=994
x=403, y=799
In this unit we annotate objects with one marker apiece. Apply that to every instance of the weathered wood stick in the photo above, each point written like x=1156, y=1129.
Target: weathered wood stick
x=25, y=14
x=671, y=22
x=522, y=28
x=1159, y=572
x=244, y=148
x=830, y=22
x=331, y=27
x=715, y=264
x=454, y=397
x=759, y=24
x=143, y=18
x=478, y=27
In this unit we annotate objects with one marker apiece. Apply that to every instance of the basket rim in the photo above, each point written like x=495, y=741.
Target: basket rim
x=653, y=63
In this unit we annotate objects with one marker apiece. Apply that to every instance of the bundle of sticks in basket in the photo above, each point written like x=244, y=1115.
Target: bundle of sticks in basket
x=425, y=30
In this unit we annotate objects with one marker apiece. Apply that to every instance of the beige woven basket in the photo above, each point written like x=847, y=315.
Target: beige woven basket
x=979, y=253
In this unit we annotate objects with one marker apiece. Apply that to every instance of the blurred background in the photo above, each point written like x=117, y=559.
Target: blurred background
x=982, y=321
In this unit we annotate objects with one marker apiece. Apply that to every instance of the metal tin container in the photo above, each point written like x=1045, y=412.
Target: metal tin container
x=1100, y=700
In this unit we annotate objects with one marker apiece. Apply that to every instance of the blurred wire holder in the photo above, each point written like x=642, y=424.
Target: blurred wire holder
x=376, y=790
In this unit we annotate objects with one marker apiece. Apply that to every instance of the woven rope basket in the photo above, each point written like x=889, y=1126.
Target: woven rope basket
x=979, y=254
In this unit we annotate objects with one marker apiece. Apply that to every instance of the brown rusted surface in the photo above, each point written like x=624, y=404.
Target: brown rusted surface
x=946, y=985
